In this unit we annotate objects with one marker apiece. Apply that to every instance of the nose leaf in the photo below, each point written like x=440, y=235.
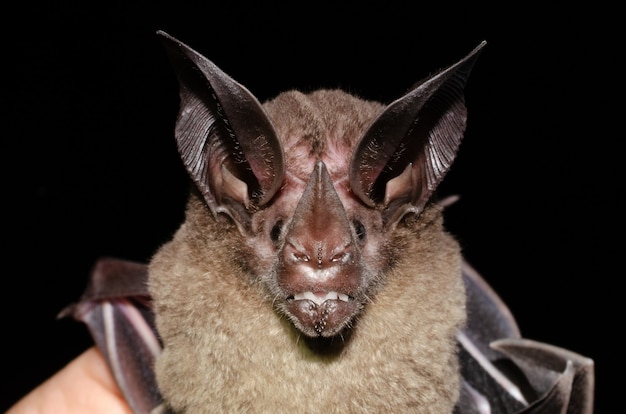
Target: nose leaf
x=320, y=252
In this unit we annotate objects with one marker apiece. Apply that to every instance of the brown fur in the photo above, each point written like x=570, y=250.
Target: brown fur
x=226, y=349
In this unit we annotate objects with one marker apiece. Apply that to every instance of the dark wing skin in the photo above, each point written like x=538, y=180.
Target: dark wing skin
x=505, y=373
x=116, y=309
x=502, y=372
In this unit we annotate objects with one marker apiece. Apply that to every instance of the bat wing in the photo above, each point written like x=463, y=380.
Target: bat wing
x=117, y=311
x=505, y=373
x=502, y=372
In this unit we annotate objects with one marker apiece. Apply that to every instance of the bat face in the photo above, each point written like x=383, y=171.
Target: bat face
x=316, y=184
x=322, y=248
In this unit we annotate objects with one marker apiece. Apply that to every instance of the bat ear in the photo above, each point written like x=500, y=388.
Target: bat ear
x=226, y=141
x=407, y=150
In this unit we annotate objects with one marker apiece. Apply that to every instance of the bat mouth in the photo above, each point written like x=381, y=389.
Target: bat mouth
x=319, y=299
x=323, y=314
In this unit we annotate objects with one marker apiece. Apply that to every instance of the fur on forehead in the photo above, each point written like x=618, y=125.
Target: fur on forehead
x=322, y=125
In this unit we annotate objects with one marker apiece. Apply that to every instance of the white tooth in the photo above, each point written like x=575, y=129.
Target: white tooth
x=318, y=300
x=306, y=295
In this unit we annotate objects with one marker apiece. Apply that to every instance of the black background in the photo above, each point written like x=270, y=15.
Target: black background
x=91, y=169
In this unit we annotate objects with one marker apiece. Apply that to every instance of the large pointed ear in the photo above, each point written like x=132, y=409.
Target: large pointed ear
x=407, y=150
x=225, y=139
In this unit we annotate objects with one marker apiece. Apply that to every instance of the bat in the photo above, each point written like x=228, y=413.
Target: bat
x=313, y=271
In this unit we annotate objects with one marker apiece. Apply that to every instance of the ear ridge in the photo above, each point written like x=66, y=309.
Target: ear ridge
x=225, y=139
x=422, y=129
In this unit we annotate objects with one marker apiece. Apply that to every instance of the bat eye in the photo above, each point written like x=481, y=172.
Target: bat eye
x=359, y=229
x=276, y=230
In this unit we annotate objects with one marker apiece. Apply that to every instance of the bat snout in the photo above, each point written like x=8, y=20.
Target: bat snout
x=320, y=282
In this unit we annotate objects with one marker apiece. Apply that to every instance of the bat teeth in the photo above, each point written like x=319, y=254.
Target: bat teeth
x=343, y=297
x=318, y=299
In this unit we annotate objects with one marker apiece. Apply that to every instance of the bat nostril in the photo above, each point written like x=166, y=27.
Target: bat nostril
x=319, y=255
x=300, y=257
x=341, y=258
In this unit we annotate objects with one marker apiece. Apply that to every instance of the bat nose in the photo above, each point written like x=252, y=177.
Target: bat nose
x=318, y=267
x=320, y=253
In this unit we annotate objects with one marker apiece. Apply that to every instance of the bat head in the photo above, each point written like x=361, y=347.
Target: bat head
x=316, y=185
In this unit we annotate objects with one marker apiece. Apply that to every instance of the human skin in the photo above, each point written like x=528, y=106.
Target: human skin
x=85, y=385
